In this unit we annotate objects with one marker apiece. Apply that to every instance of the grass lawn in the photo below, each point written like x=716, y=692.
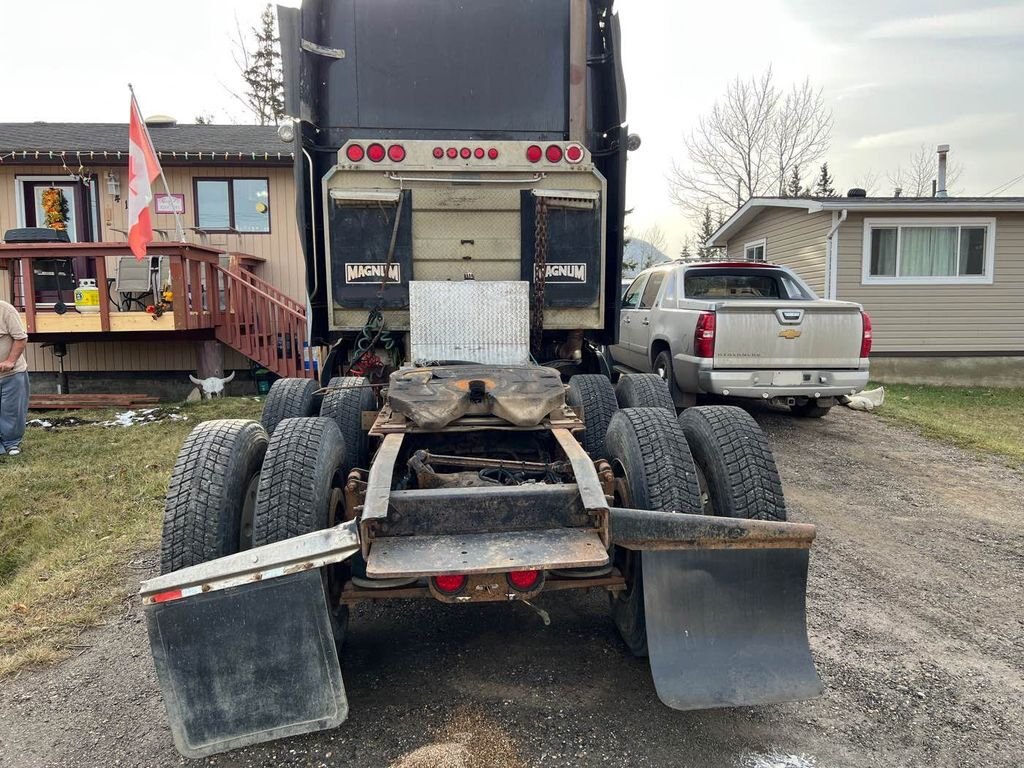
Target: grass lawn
x=75, y=508
x=984, y=419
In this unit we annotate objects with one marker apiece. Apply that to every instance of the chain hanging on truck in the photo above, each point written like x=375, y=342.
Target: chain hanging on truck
x=540, y=268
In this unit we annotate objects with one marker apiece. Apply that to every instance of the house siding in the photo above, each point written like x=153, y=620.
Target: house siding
x=283, y=264
x=793, y=238
x=963, y=319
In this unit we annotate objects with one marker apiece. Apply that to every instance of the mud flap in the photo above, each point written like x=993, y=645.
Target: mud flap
x=247, y=664
x=724, y=601
x=726, y=627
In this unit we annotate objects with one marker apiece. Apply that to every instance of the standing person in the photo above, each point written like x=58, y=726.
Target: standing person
x=13, y=380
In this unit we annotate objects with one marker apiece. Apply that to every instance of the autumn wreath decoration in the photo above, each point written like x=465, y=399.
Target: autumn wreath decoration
x=55, y=206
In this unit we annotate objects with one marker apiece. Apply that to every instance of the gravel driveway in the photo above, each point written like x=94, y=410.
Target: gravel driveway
x=916, y=612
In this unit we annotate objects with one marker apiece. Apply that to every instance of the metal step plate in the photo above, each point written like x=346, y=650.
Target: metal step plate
x=485, y=552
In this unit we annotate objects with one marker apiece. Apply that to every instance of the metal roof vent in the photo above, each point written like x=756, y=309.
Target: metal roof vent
x=856, y=192
x=161, y=121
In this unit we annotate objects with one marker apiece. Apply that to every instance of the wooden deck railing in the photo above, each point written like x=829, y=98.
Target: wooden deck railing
x=240, y=309
x=263, y=325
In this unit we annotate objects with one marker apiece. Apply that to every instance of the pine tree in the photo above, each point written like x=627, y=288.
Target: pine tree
x=793, y=186
x=707, y=229
x=824, y=187
x=261, y=71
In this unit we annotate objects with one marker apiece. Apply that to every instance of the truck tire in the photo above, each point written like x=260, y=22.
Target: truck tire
x=288, y=399
x=648, y=448
x=344, y=402
x=736, y=468
x=212, y=493
x=809, y=410
x=296, y=492
x=596, y=395
x=300, y=491
x=644, y=390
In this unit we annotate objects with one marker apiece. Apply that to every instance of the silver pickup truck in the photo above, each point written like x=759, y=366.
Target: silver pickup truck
x=742, y=329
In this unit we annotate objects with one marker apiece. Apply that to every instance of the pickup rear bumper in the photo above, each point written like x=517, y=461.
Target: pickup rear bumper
x=761, y=384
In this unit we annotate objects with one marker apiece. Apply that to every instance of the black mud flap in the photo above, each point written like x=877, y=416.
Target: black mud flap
x=726, y=627
x=247, y=664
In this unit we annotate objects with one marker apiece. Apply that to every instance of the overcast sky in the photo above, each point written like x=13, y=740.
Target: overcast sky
x=896, y=73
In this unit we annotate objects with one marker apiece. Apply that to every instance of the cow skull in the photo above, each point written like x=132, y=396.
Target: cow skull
x=211, y=387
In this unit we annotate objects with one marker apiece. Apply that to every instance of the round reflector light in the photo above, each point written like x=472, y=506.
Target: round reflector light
x=453, y=152
x=450, y=584
x=574, y=153
x=492, y=153
x=524, y=580
x=354, y=153
x=396, y=153
x=478, y=153
x=554, y=153
x=534, y=153
x=438, y=153
x=375, y=152
x=465, y=153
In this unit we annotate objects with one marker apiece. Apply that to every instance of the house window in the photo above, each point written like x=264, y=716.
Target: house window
x=239, y=205
x=755, y=251
x=928, y=250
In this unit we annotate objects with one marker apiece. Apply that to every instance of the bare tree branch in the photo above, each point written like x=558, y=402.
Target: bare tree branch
x=749, y=144
x=915, y=178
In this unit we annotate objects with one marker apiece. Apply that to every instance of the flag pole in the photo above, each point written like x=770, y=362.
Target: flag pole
x=179, y=229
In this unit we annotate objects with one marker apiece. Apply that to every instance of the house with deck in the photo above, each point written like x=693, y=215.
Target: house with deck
x=941, y=277
x=235, y=280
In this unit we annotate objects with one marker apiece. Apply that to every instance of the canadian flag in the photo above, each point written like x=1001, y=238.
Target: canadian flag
x=143, y=168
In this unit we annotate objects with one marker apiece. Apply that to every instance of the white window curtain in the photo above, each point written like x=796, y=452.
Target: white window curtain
x=928, y=251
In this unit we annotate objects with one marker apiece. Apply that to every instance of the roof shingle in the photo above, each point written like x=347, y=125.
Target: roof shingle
x=260, y=140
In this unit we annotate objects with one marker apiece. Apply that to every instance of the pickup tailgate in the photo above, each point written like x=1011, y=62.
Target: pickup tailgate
x=793, y=334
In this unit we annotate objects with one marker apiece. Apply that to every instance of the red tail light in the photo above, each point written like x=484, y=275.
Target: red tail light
x=453, y=152
x=492, y=153
x=375, y=152
x=166, y=597
x=478, y=153
x=396, y=153
x=438, y=153
x=865, y=339
x=524, y=581
x=451, y=584
x=534, y=153
x=574, y=153
x=465, y=153
x=554, y=153
x=704, y=336
x=354, y=153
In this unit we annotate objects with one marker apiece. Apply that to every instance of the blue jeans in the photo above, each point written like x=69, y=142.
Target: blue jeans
x=13, y=410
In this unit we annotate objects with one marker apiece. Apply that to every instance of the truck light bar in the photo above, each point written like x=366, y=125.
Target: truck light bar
x=363, y=154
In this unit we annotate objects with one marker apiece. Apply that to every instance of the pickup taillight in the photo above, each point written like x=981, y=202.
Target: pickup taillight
x=704, y=336
x=865, y=339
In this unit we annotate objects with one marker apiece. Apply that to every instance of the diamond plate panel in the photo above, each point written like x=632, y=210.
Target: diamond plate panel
x=478, y=321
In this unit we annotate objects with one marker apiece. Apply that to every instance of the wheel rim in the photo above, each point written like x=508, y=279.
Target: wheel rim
x=248, y=509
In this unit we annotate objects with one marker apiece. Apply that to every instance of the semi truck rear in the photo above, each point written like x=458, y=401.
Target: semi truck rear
x=447, y=140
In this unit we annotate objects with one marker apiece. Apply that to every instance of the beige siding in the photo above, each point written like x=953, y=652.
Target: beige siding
x=794, y=238
x=942, y=318
x=283, y=265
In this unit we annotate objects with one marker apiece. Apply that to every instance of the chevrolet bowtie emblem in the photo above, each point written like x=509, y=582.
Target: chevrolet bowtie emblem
x=790, y=333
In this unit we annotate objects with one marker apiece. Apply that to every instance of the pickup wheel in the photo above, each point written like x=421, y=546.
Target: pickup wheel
x=735, y=466
x=212, y=493
x=644, y=390
x=344, y=402
x=652, y=463
x=596, y=395
x=288, y=399
x=300, y=492
x=809, y=410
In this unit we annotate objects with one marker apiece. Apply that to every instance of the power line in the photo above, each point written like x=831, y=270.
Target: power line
x=1004, y=187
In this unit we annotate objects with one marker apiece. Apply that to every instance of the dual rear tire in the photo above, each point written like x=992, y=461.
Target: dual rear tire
x=712, y=460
